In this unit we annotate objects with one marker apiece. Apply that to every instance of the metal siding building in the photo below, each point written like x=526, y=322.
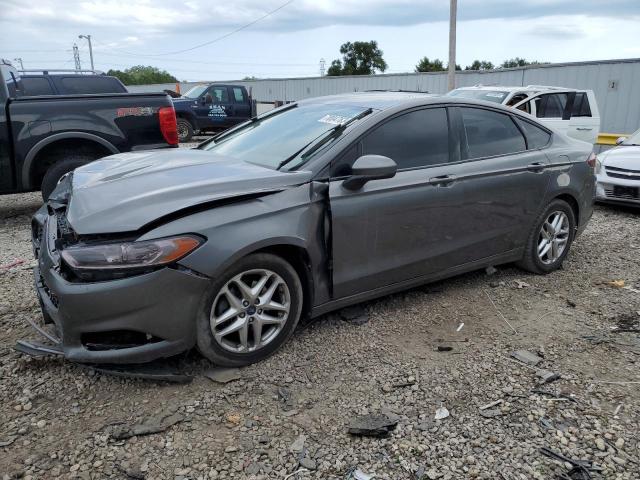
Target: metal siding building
x=616, y=84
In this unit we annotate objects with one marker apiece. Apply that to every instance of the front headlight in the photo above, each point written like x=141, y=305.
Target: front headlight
x=127, y=255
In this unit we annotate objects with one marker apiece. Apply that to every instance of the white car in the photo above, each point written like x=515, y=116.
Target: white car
x=618, y=172
x=573, y=112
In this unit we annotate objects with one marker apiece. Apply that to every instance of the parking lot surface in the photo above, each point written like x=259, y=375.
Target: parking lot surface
x=447, y=344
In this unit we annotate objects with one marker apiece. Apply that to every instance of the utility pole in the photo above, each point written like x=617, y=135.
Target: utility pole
x=453, y=12
x=88, y=37
x=19, y=60
x=76, y=57
x=322, y=64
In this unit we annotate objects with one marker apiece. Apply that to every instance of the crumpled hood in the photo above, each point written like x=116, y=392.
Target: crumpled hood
x=622, y=157
x=124, y=192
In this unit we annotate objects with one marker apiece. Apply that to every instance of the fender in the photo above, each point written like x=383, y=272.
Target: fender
x=29, y=158
x=189, y=116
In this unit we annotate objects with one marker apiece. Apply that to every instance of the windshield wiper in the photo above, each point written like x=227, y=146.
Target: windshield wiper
x=332, y=132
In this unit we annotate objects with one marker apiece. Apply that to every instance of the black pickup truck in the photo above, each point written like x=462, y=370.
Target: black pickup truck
x=44, y=137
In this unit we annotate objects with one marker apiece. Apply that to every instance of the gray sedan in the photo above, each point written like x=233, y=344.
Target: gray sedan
x=311, y=207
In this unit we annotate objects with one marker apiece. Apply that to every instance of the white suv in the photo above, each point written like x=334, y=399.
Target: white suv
x=573, y=112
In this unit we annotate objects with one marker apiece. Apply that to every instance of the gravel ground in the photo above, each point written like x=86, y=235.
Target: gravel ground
x=290, y=413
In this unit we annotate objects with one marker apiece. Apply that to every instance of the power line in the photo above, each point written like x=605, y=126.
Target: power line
x=221, y=37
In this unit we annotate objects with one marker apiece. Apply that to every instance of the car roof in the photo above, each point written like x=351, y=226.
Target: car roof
x=377, y=100
x=526, y=88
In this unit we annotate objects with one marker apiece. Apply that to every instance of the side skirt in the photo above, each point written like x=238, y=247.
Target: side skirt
x=511, y=256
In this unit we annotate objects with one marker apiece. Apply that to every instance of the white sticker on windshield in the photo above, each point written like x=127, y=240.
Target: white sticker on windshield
x=494, y=94
x=334, y=119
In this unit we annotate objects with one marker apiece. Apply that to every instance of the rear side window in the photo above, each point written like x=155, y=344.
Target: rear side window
x=536, y=137
x=551, y=105
x=489, y=133
x=238, y=95
x=85, y=84
x=415, y=139
x=36, y=86
x=581, y=106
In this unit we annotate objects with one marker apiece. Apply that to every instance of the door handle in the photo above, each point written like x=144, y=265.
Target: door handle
x=536, y=167
x=584, y=129
x=442, y=180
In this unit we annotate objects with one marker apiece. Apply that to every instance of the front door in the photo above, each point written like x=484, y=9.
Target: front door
x=215, y=109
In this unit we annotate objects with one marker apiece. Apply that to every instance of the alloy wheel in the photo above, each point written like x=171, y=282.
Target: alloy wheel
x=250, y=311
x=553, y=237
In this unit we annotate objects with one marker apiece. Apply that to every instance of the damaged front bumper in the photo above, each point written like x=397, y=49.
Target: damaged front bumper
x=128, y=320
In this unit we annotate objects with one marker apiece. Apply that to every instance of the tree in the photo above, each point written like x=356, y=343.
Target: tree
x=515, y=62
x=358, y=58
x=141, y=75
x=480, y=65
x=426, y=65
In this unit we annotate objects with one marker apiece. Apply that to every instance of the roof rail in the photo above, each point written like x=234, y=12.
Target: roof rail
x=395, y=90
x=48, y=71
x=548, y=87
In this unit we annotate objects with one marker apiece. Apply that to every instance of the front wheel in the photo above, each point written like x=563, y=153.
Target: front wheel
x=250, y=311
x=549, y=242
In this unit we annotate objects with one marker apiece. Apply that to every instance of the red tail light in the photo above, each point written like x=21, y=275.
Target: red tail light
x=591, y=161
x=168, y=124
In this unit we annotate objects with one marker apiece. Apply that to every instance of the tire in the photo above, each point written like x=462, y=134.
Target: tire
x=62, y=164
x=227, y=349
x=185, y=130
x=543, y=264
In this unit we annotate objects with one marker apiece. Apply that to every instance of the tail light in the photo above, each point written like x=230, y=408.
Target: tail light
x=591, y=161
x=168, y=124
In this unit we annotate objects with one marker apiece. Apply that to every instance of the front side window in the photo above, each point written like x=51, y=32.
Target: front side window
x=415, y=139
x=219, y=94
x=285, y=135
x=487, y=133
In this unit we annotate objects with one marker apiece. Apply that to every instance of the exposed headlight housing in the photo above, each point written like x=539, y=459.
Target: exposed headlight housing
x=130, y=255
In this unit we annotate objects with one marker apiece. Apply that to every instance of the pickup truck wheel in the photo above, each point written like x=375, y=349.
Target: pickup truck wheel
x=249, y=311
x=185, y=130
x=67, y=164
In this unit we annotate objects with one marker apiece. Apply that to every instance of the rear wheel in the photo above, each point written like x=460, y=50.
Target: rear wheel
x=250, y=311
x=185, y=130
x=62, y=164
x=549, y=242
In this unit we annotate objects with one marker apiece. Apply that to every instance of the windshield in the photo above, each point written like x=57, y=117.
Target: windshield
x=273, y=139
x=196, y=91
x=633, y=139
x=486, y=95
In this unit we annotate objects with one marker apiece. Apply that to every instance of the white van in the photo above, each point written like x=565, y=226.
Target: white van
x=574, y=112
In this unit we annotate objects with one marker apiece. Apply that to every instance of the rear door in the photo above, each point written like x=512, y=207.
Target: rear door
x=585, y=120
x=504, y=175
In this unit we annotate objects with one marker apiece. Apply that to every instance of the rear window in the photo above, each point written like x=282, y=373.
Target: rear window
x=490, y=133
x=536, y=136
x=36, y=86
x=85, y=84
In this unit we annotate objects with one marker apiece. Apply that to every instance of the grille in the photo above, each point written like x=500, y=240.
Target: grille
x=625, y=173
x=622, y=192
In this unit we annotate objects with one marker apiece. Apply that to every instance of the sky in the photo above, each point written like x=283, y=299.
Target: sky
x=214, y=40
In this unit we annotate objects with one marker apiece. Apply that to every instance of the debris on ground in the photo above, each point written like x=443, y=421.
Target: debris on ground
x=441, y=413
x=547, y=376
x=223, y=375
x=616, y=283
x=356, y=474
x=158, y=372
x=6, y=443
x=460, y=327
x=580, y=468
x=155, y=424
x=286, y=399
x=490, y=270
x=492, y=404
x=298, y=444
x=379, y=425
x=10, y=265
x=444, y=348
x=521, y=284
x=526, y=357
x=356, y=314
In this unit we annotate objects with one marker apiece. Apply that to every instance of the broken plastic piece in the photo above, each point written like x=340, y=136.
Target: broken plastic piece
x=442, y=413
x=526, y=357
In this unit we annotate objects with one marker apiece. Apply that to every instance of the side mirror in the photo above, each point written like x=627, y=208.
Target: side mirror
x=370, y=167
x=208, y=99
x=619, y=140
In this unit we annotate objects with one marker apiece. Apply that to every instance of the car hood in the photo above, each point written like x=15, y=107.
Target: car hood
x=181, y=101
x=622, y=157
x=125, y=192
